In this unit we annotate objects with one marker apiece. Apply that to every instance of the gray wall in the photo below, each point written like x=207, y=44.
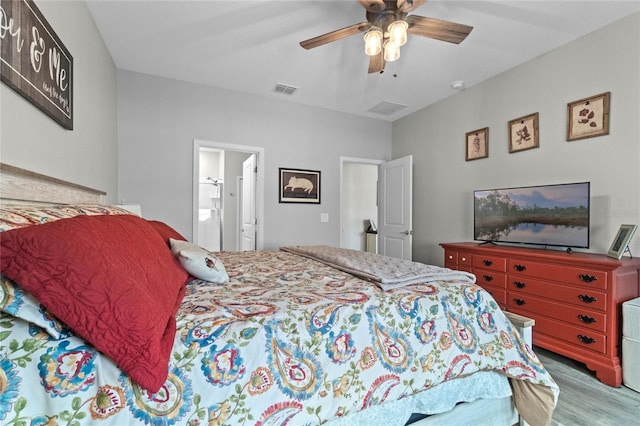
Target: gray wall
x=159, y=118
x=87, y=154
x=606, y=60
x=148, y=133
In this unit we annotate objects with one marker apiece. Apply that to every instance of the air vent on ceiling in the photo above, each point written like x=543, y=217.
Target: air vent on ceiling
x=285, y=89
x=387, y=108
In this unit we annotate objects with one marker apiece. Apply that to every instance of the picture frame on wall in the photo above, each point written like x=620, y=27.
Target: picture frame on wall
x=523, y=133
x=620, y=243
x=588, y=117
x=299, y=186
x=34, y=62
x=477, y=143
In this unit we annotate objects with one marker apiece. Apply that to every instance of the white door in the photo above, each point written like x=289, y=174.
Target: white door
x=394, y=211
x=249, y=177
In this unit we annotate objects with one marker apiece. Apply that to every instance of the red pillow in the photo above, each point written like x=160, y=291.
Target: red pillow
x=111, y=279
x=165, y=231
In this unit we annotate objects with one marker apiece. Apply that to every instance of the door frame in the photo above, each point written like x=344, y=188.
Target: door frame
x=259, y=151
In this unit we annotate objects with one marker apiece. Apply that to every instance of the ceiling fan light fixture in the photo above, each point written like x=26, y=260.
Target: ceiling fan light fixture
x=398, y=32
x=386, y=29
x=373, y=42
x=391, y=51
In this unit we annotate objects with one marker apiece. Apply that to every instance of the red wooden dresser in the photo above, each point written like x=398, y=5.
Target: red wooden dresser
x=575, y=298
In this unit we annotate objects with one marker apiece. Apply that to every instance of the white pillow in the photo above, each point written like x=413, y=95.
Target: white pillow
x=199, y=262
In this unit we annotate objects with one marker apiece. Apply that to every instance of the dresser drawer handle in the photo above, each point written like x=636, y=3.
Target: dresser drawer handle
x=588, y=278
x=587, y=299
x=586, y=319
x=586, y=339
x=519, y=302
x=519, y=267
x=519, y=284
x=487, y=262
x=487, y=278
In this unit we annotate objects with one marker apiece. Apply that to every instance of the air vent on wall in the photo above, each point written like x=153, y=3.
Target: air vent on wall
x=387, y=108
x=285, y=89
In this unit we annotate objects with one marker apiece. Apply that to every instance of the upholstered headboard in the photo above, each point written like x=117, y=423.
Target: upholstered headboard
x=20, y=186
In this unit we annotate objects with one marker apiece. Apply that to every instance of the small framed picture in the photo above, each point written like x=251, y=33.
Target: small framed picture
x=588, y=117
x=477, y=144
x=621, y=241
x=299, y=186
x=523, y=133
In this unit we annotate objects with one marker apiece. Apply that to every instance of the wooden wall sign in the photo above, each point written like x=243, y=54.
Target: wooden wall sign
x=35, y=63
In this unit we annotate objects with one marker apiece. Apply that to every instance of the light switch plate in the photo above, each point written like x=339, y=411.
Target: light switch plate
x=324, y=217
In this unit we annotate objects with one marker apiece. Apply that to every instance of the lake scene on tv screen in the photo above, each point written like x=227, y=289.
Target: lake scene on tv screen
x=555, y=215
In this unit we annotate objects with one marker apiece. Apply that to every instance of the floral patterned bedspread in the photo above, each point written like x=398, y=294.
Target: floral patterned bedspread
x=287, y=341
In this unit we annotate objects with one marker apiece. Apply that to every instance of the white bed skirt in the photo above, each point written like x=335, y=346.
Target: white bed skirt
x=486, y=396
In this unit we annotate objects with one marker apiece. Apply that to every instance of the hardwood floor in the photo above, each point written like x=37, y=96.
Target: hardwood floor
x=584, y=400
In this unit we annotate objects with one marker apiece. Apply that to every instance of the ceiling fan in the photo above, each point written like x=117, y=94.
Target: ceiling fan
x=386, y=28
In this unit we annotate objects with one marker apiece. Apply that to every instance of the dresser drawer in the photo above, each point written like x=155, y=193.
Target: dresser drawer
x=464, y=259
x=571, y=275
x=582, y=297
x=450, y=256
x=494, y=263
x=579, y=317
x=461, y=260
x=484, y=276
x=499, y=294
x=580, y=337
x=457, y=266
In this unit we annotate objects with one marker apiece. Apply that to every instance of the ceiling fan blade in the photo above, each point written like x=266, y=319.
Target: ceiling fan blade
x=335, y=35
x=376, y=63
x=374, y=6
x=438, y=29
x=407, y=6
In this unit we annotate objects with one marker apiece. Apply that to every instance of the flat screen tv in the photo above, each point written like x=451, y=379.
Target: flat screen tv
x=545, y=215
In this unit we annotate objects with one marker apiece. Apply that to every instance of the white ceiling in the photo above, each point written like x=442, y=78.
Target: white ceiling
x=250, y=46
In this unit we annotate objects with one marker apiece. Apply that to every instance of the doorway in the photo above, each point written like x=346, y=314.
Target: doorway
x=211, y=194
x=359, y=201
x=382, y=192
x=221, y=190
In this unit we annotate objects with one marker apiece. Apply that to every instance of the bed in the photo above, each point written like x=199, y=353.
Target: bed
x=111, y=319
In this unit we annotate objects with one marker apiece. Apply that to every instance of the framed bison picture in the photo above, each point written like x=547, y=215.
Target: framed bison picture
x=299, y=186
